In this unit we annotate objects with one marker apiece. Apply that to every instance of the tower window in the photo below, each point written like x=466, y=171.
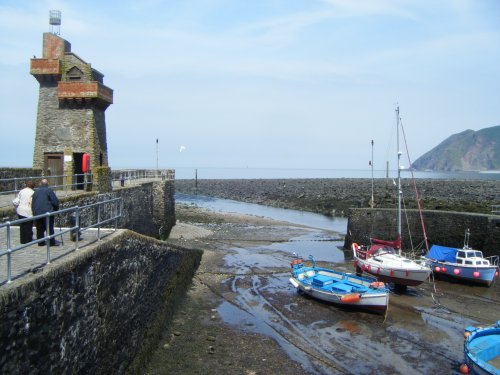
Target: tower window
x=74, y=74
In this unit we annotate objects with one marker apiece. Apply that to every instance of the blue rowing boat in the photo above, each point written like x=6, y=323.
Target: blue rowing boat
x=339, y=288
x=482, y=350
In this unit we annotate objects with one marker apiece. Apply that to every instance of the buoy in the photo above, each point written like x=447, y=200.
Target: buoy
x=476, y=274
x=437, y=269
x=368, y=268
x=496, y=274
x=456, y=271
x=350, y=298
x=377, y=285
x=466, y=334
x=464, y=369
x=443, y=269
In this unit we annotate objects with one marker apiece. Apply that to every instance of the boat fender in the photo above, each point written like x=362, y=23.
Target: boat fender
x=377, y=285
x=464, y=369
x=294, y=282
x=476, y=274
x=350, y=298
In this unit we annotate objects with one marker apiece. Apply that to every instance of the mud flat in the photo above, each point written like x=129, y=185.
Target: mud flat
x=241, y=316
x=335, y=196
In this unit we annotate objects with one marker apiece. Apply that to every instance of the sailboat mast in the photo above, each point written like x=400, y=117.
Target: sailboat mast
x=399, y=177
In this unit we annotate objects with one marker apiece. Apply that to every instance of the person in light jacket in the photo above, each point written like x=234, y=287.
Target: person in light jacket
x=44, y=200
x=23, y=209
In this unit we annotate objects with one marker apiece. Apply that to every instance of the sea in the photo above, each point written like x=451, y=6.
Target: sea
x=309, y=173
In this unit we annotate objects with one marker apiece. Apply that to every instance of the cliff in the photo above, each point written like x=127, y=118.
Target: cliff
x=467, y=151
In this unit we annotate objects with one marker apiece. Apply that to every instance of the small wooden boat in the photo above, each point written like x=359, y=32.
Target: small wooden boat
x=464, y=264
x=339, y=288
x=482, y=350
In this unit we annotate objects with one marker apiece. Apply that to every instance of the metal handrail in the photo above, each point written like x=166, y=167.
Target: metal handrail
x=87, y=179
x=125, y=176
x=116, y=214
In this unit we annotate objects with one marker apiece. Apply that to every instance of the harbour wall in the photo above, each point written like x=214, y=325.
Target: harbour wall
x=452, y=206
x=334, y=196
x=10, y=173
x=148, y=208
x=100, y=311
x=442, y=227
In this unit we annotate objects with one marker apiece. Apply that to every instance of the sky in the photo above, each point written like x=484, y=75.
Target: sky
x=263, y=83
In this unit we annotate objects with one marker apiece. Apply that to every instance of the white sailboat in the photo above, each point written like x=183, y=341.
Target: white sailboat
x=384, y=259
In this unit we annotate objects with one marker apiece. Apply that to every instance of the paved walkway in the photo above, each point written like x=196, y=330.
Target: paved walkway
x=34, y=257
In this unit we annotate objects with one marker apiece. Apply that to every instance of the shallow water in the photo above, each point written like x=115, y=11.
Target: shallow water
x=322, y=245
x=336, y=224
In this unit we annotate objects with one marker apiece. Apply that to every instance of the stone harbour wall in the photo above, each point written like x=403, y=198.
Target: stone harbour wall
x=148, y=208
x=9, y=173
x=442, y=227
x=335, y=196
x=101, y=311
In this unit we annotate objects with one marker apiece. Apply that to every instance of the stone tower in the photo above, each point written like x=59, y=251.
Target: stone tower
x=70, y=119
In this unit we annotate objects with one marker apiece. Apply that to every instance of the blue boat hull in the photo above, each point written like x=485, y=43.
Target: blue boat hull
x=479, y=275
x=341, y=289
x=482, y=350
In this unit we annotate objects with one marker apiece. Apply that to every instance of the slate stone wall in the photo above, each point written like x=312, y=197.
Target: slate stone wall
x=96, y=311
x=148, y=208
x=442, y=228
x=8, y=173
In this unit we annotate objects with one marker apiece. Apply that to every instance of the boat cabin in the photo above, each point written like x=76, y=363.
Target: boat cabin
x=470, y=257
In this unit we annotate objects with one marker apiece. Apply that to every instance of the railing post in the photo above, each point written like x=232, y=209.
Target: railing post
x=77, y=223
x=115, y=214
x=98, y=222
x=9, y=258
x=47, y=235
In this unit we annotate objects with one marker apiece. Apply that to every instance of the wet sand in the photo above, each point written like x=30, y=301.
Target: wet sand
x=241, y=316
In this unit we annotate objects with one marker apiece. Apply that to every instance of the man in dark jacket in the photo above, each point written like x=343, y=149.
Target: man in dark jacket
x=44, y=200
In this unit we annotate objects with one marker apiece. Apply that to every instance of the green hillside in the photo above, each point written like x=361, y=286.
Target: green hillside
x=467, y=151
